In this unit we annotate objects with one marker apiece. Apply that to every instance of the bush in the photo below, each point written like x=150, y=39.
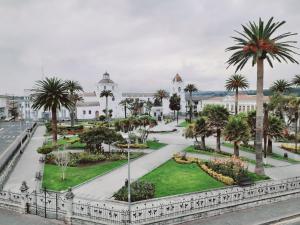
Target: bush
x=224, y=179
x=140, y=190
x=291, y=148
x=135, y=146
x=46, y=149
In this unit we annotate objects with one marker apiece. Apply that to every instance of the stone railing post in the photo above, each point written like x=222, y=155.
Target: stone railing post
x=69, y=206
x=24, y=192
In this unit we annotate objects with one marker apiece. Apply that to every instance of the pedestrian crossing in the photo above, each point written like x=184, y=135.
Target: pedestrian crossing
x=7, y=136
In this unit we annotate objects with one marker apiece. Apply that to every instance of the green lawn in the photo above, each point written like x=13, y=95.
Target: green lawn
x=76, y=145
x=173, y=178
x=155, y=145
x=273, y=156
x=77, y=175
x=183, y=124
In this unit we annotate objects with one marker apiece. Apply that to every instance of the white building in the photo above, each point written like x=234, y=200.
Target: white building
x=246, y=102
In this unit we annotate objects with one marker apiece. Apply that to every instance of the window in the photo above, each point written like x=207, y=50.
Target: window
x=90, y=112
x=83, y=112
x=248, y=108
x=104, y=87
x=179, y=89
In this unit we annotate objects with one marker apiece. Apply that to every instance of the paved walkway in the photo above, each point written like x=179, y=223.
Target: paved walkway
x=256, y=216
x=28, y=164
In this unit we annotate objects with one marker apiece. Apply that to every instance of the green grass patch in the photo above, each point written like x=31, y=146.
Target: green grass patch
x=255, y=177
x=173, y=178
x=77, y=175
x=155, y=145
x=183, y=124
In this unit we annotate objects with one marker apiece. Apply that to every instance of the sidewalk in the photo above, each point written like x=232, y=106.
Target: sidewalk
x=28, y=164
x=255, y=216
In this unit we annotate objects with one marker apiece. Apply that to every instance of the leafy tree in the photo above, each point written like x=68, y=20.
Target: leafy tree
x=274, y=130
x=281, y=86
x=51, y=94
x=160, y=95
x=174, y=104
x=136, y=106
x=258, y=43
x=294, y=105
x=13, y=108
x=234, y=83
x=106, y=94
x=148, y=106
x=73, y=87
x=236, y=130
x=190, y=88
x=296, y=80
x=217, y=117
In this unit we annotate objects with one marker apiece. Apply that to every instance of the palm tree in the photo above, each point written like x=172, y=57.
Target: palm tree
x=217, y=117
x=274, y=130
x=73, y=87
x=125, y=103
x=281, y=86
x=51, y=94
x=236, y=130
x=160, y=95
x=259, y=43
x=235, y=82
x=296, y=80
x=190, y=88
x=106, y=94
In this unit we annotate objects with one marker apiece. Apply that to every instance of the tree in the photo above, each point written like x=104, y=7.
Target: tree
x=294, y=105
x=274, y=130
x=73, y=88
x=62, y=159
x=51, y=94
x=136, y=106
x=148, y=106
x=13, y=108
x=160, y=95
x=199, y=128
x=106, y=94
x=281, y=86
x=125, y=103
x=236, y=130
x=217, y=117
x=259, y=43
x=190, y=88
x=296, y=80
x=234, y=83
x=174, y=104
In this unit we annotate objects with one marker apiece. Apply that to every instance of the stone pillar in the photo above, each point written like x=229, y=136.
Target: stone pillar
x=69, y=206
x=24, y=193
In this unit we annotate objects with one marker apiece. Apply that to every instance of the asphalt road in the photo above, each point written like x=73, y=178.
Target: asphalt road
x=8, y=133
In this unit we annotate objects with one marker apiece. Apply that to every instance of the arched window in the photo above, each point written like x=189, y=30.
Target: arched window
x=90, y=112
x=83, y=112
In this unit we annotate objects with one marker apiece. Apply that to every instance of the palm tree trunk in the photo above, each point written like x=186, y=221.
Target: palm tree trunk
x=177, y=116
x=106, y=108
x=218, y=140
x=54, y=125
x=236, y=100
x=296, y=131
x=125, y=110
x=190, y=107
x=72, y=116
x=259, y=169
x=174, y=111
x=266, y=125
x=270, y=149
x=236, y=149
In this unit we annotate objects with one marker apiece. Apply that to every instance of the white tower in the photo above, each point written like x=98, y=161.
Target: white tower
x=177, y=87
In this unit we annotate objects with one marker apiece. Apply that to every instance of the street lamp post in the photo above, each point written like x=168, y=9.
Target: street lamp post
x=128, y=180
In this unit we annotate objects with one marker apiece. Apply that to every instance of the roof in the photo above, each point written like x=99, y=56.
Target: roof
x=84, y=104
x=88, y=94
x=106, y=79
x=177, y=78
x=137, y=94
x=241, y=97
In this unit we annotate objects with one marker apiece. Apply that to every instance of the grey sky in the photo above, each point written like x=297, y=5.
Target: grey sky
x=141, y=43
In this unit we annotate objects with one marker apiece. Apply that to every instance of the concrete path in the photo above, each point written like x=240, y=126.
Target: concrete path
x=105, y=186
x=28, y=164
x=256, y=216
x=277, y=173
x=277, y=149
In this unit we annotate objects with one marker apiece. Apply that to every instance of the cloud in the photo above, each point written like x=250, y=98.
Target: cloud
x=142, y=44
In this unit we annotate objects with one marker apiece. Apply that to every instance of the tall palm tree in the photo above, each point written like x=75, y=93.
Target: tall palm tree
x=51, y=94
x=281, y=86
x=259, y=43
x=160, y=95
x=190, y=88
x=234, y=83
x=106, y=94
x=125, y=103
x=73, y=88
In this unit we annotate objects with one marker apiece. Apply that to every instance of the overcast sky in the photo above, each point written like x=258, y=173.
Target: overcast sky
x=141, y=43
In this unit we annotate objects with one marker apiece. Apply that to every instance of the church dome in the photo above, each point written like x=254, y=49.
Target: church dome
x=177, y=78
x=106, y=79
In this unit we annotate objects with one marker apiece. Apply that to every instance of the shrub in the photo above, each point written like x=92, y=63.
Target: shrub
x=136, y=146
x=140, y=190
x=46, y=149
x=183, y=159
x=224, y=179
x=291, y=148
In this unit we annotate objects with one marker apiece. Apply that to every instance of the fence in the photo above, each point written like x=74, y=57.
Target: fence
x=13, y=153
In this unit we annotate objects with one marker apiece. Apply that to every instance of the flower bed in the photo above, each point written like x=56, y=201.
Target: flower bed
x=182, y=159
x=291, y=148
x=135, y=146
x=224, y=179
